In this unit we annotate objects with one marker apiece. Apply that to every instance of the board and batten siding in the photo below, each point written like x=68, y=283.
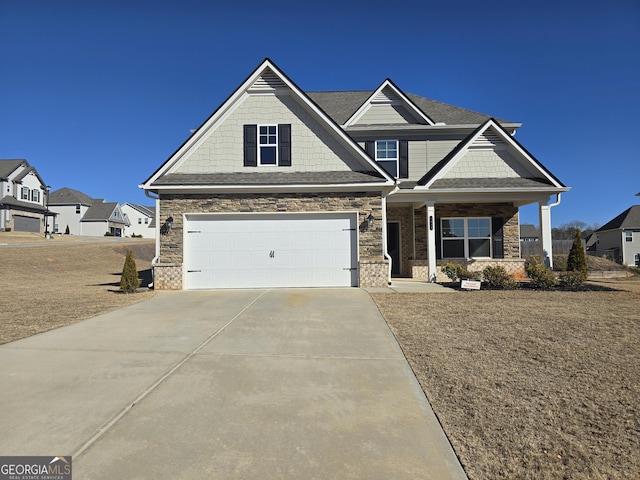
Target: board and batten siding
x=313, y=148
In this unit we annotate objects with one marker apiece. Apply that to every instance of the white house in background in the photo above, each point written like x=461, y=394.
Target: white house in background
x=23, y=198
x=86, y=216
x=619, y=239
x=142, y=220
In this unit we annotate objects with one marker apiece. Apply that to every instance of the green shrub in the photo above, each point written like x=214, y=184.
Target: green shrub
x=577, y=261
x=133, y=235
x=571, y=279
x=497, y=277
x=129, y=281
x=108, y=234
x=452, y=270
x=456, y=272
x=541, y=276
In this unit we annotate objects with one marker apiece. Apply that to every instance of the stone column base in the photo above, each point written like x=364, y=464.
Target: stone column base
x=167, y=276
x=374, y=273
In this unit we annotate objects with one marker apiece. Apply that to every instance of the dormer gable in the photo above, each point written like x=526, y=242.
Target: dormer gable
x=488, y=153
x=388, y=105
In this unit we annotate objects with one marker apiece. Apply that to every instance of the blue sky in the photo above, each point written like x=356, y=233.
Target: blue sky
x=98, y=94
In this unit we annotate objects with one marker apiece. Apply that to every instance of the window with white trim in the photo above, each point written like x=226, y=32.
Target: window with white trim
x=25, y=193
x=35, y=195
x=466, y=237
x=387, y=156
x=267, y=145
x=628, y=236
x=78, y=208
x=139, y=221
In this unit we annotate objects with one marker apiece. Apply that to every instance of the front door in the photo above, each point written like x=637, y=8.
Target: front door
x=393, y=246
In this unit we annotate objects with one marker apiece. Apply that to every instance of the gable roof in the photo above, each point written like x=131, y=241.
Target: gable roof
x=265, y=78
x=629, y=219
x=148, y=211
x=69, y=196
x=14, y=202
x=7, y=167
x=435, y=177
x=528, y=230
x=102, y=211
x=388, y=93
x=342, y=105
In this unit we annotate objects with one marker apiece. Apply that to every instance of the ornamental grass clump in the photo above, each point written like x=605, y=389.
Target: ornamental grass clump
x=497, y=277
x=129, y=282
x=541, y=276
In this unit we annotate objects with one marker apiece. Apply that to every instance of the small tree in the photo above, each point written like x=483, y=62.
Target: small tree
x=129, y=281
x=66, y=231
x=577, y=261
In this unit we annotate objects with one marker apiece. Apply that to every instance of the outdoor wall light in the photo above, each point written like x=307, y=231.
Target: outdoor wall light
x=167, y=226
x=370, y=220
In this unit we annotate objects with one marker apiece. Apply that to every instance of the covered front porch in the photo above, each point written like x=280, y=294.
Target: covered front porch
x=423, y=236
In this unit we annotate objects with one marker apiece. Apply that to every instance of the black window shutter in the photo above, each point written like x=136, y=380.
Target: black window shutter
x=284, y=145
x=370, y=148
x=438, y=239
x=497, y=237
x=250, y=145
x=404, y=159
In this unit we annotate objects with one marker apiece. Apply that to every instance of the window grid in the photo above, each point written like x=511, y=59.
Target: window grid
x=268, y=143
x=628, y=236
x=387, y=156
x=466, y=237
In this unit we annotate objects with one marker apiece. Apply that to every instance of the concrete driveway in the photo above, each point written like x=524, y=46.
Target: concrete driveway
x=287, y=383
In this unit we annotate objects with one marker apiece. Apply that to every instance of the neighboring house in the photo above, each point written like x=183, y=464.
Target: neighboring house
x=529, y=233
x=86, y=216
x=23, y=198
x=619, y=239
x=142, y=220
x=281, y=187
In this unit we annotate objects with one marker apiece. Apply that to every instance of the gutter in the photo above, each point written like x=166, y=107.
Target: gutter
x=157, y=256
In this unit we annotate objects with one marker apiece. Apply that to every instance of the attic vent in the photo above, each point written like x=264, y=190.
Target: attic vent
x=386, y=96
x=268, y=82
x=489, y=140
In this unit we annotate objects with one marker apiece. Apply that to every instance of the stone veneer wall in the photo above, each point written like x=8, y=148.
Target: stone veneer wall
x=511, y=231
x=168, y=268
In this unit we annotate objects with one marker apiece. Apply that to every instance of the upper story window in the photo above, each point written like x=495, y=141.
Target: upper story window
x=267, y=145
x=78, y=208
x=139, y=221
x=466, y=237
x=391, y=155
x=628, y=236
x=268, y=141
x=35, y=195
x=387, y=156
x=24, y=194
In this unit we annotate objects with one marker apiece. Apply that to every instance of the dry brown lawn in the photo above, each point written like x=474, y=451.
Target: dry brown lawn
x=529, y=384
x=62, y=281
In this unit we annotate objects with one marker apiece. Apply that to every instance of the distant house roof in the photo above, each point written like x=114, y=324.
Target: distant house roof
x=100, y=212
x=14, y=202
x=628, y=219
x=69, y=196
x=8, y=166
x=528, y=231
x=148, y=211
x=340, y=105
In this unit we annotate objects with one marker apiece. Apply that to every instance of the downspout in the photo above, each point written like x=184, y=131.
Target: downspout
x=157, y=256
x=551, y=205
x=385, y=253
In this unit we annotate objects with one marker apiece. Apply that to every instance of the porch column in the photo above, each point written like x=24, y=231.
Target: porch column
x=431, y=240
x=545, y=233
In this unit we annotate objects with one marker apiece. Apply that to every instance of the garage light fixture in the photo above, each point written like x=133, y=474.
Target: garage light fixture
x=166, y=227
x=370, y=220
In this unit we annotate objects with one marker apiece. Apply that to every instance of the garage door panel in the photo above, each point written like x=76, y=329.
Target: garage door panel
x=279, y=250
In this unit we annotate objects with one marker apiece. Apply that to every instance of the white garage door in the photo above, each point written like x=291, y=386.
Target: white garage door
x=270, y=250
